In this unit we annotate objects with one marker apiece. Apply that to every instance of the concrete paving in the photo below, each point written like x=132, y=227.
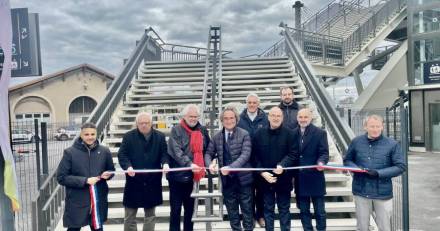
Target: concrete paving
x=424, y=191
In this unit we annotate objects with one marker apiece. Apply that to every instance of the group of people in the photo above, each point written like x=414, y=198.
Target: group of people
x=284, y=138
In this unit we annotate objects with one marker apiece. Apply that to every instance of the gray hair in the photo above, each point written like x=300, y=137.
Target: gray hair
x=144, y=113
x=188, y=107
x=252, y=95
x=373, y=116
x=232, y=109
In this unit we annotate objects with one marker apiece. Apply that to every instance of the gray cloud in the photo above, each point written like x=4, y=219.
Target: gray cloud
x=104, y=32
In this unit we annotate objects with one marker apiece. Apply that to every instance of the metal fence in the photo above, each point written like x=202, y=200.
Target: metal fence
x=37, y=149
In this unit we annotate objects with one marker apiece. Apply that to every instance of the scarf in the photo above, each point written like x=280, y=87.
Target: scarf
x=196, y=146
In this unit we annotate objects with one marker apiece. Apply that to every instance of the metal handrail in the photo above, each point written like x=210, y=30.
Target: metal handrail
x=205, y=82
x=339, y=129
x=337, y=50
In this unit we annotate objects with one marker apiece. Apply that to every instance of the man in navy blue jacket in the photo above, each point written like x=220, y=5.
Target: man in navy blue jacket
x=251, y=119
x=382, y=158
x=310, y=183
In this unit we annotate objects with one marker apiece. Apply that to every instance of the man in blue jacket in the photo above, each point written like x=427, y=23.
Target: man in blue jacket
x=251, y=119
x=382, y=158
x=232, y=147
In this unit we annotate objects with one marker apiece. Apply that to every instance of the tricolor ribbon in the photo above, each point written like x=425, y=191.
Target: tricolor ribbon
x=327, y=167
x=96, y=218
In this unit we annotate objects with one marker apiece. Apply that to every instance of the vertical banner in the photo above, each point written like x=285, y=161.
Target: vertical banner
x=10, y=178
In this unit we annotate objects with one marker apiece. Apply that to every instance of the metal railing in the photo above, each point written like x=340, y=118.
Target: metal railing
x=342, y=134
x=327, y=49
x=47, y=204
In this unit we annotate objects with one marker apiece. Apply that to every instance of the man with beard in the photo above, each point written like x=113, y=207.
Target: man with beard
x=289, y=107
x=84, y=165
x=310, y=183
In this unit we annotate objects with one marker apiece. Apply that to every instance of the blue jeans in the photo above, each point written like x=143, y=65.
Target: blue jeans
x=282, y=199
x=303, y=203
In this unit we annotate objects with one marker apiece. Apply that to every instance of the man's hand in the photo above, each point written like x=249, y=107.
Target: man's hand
x=213, y=167
x=165, y=168
x=320, y=168
x=92, y=180
x=225, y=170
x=196, y=168
x=130, y=171
x=105, y=175
x=279, y=170
x=269, y=177
x=372, y=172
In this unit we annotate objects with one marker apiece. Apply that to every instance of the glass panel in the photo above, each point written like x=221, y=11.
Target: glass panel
x=19, y=116
x=427, y=21
x=435, y=126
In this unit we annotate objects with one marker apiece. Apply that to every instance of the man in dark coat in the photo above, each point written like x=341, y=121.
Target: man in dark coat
x=251, y=119
x=84, y=164
x=186, y=145
x=232, y=146
x=289, y=107
x=142, y=148
x=310, y=183
x=373, y=190
x=274, y=147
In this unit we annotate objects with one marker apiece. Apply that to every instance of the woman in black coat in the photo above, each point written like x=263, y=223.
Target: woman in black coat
x=83, y=164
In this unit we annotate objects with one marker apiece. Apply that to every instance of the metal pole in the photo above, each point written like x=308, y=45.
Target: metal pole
x=404, y=144
x=44, y=149
x=297, y=6
x=349, y=117
x=387, y=120
x=37, y=152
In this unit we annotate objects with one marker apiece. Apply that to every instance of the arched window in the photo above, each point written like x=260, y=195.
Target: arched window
x=80, y=109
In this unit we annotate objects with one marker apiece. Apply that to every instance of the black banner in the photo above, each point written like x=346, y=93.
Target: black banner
x=431, y=72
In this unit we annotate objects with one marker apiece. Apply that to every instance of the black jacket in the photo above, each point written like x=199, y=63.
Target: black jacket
x=180, y=154
x=272, y=147
x=78, y=164
x=239, y=149
x=143, y=190
x=250, y=126
x=313, y=148
x=289, y=114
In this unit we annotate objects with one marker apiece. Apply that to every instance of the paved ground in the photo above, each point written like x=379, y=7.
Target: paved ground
x=424, y=178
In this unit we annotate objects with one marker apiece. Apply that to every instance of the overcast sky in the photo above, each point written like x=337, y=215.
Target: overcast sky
x=103, y=33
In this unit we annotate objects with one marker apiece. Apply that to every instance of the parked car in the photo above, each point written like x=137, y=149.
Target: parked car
x=23, y=136
x=66, y=133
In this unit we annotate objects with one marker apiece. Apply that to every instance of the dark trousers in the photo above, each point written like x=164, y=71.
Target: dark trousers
x=78, y=229
x=319, y=209
x=180, y=194
x=281, y=197
x=238, y=197
x=258, y=199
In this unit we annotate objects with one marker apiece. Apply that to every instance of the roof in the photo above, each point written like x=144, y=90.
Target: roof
x=62, y=73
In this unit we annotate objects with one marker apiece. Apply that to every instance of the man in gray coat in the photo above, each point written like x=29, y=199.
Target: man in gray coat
x=232, y=146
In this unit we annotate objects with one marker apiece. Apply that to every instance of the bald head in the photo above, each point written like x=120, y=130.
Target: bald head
x=275, y=117
x=304, y=117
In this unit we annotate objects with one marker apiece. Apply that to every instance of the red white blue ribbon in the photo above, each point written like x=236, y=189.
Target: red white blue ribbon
x=96, y=218
x=325, y=167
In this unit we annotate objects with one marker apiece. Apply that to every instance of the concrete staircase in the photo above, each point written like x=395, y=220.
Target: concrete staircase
x=165, y=87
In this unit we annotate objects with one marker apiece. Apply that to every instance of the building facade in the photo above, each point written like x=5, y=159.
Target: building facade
x=424, y=73
x=68, y=96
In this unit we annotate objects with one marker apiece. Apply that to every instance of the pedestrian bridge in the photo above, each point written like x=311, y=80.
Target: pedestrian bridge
x=162, y=78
